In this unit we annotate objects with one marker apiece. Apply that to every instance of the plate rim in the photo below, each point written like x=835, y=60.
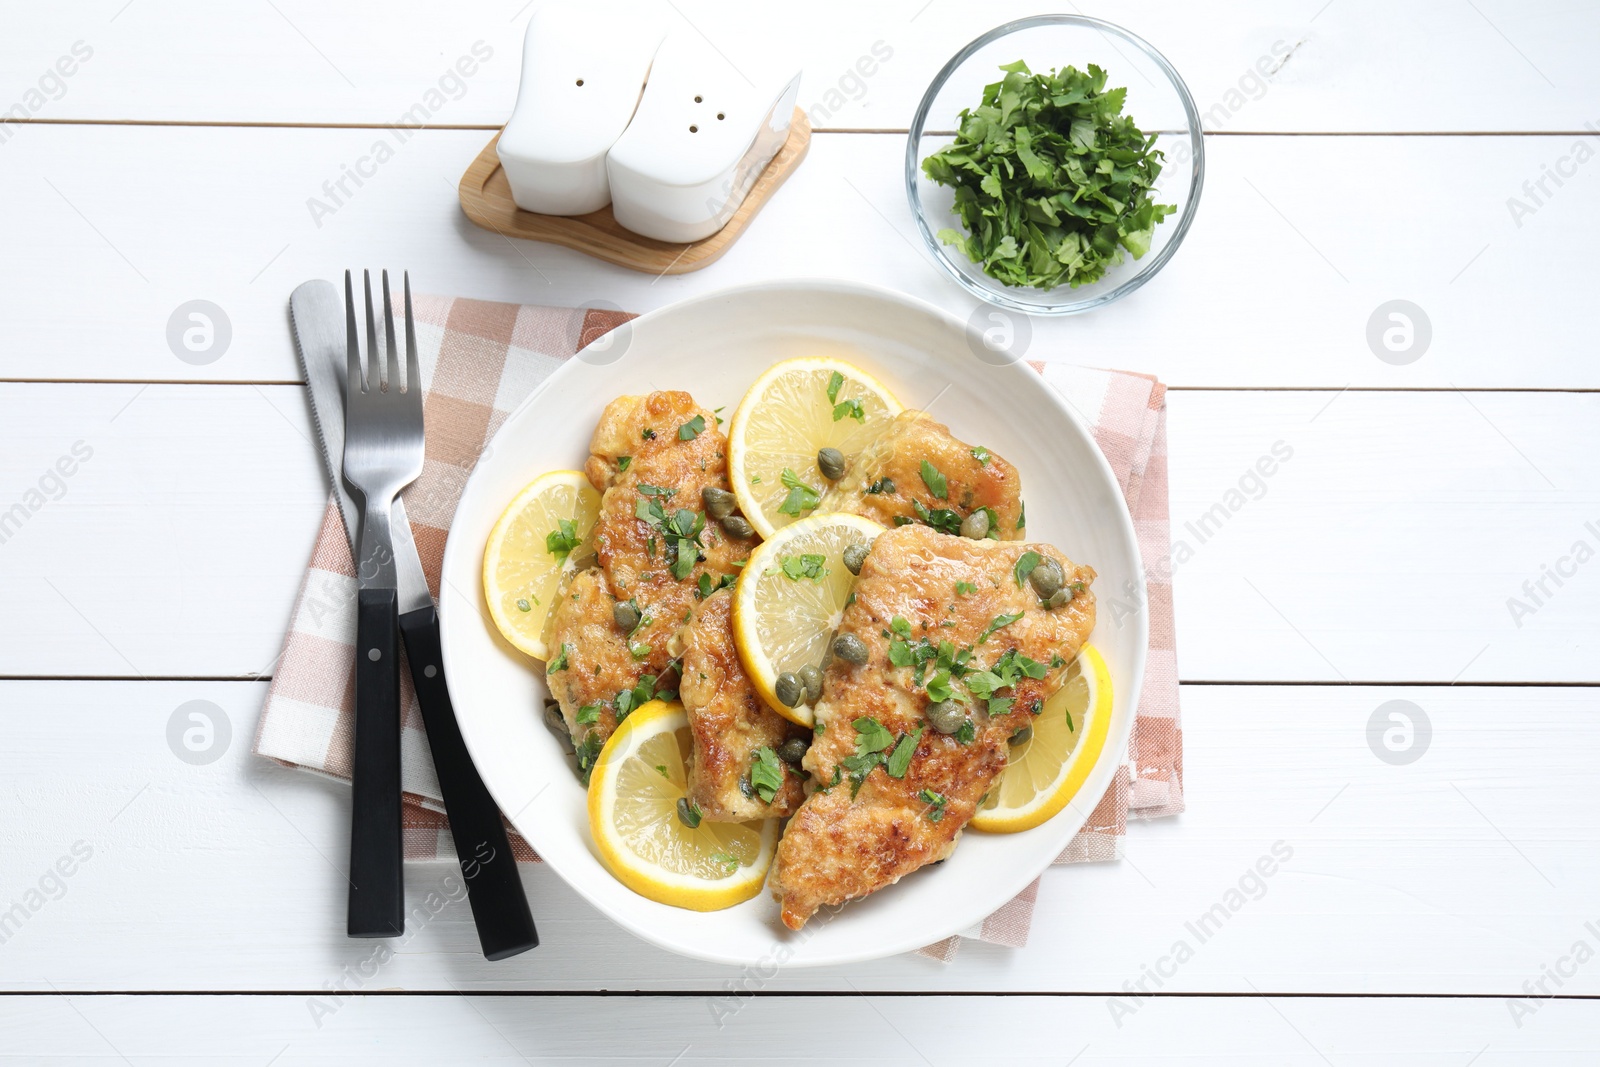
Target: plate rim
x=1124, y=707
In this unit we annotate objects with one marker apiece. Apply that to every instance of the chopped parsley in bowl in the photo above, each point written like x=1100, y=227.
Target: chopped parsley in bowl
x=1052, y=181
x=1054, y=190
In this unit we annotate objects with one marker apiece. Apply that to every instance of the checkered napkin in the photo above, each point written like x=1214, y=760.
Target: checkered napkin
x=479, y=360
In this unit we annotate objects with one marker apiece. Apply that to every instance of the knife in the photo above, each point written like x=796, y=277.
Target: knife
x=494, y=889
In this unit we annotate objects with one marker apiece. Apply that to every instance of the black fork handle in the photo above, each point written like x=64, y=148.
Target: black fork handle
x=494, y=888
x=377, y=885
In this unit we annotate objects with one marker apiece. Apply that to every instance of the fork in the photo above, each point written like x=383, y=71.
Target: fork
x=383, y=453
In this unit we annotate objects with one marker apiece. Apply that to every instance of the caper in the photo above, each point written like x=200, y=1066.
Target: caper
x=793, y=750
x=1047, y=578
x=811, y=679
x=855, y=555
x=946, y=716
x=789, y=689
x=625, y=615
x=1022, y=736
x=850, y=648
x=1058, y=598
x=738, y=527
x=830, y=461
x=976, y=525
x=719, y=502
x=688, y=812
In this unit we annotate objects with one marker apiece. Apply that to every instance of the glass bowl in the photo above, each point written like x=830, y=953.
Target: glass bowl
x=1157, y=99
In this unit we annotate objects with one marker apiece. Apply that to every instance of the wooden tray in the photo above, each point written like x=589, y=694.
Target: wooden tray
x=486, y=199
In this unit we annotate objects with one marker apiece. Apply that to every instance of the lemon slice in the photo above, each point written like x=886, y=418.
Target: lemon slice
x=1044, y=773
x=634, y=791
x=794, y=410
x=790, y=598
x=530, y=551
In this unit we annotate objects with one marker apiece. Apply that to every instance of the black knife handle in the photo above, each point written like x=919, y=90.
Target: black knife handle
x=494, y=888
x=377, y=886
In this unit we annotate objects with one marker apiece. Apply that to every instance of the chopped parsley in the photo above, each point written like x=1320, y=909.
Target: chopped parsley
x=766, y=773
x=727, y=859
x=588, y=750
x=835, y=382
x=801, y=496
x=706, y=586
x=691, y=429
x=899, y=760
x=944, y=520
x=560, y=662
x=561, y=541
x=623, y=462
x=647, y=434
x=982, y=455
x=1052, y=180
x=882, y=485
x=966, y=733
x=809, y=565
x=849, y=407
x=965, y=588
x=638, y=649
x=999, y=622
x=936, y=803
x=937, y=484
x=588, y=715
x=1022, y=514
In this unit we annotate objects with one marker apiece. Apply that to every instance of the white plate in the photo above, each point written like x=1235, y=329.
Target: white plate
x=715, y=346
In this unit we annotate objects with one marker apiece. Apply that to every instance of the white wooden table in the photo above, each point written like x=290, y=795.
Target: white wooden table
x=1440, y=911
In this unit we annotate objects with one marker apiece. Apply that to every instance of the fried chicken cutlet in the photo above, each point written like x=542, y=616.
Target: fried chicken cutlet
x=614, y=631
x=918, y=472
x=733, y=728
x=942, y=618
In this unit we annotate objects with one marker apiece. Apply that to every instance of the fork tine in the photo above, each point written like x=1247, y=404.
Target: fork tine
x=392, y=358
x=413, y=364
x=374, y=355
x=352, y=343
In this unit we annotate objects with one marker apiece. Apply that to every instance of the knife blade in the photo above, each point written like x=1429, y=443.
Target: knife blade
x=499, y=903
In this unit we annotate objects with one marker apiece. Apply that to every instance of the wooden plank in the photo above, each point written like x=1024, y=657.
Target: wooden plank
x=1268, y=65
x=1270, y=289
x=1467, y=871
x=1388, y=546
x=861, y=1031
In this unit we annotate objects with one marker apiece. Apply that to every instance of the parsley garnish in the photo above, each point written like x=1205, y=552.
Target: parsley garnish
x=706, y=588
x=639, y=650
x=965, y=588
x=588, y=715
x=835, y=381
x=560, y=662
x=561, y=541
x=647, y=434
x=766, y=773
x=1022, y=514
x=588, y=750
x=937, y=484
x=1052, y=180
x=801, y=496
x=936, y=803
x=623, y=462
x=808, y=565
x=981, y=454
x=966, y=733
x=691, y=429
x=727, y=859
x=899, y=760
x=997, y=623
x=849, y=407
x=944, y=520
x=1026, y=563
x=882, y=485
